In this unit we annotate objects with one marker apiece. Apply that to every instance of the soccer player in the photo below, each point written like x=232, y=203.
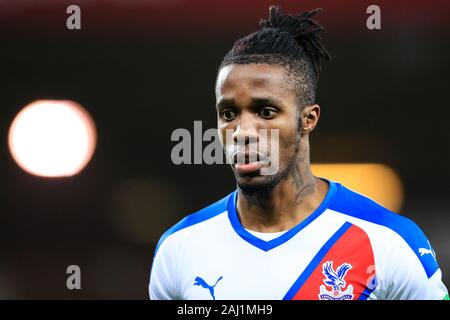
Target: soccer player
x=287, y=235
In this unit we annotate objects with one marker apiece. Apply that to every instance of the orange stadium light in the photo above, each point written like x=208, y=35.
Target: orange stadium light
x=377, y=181
x=52, y=138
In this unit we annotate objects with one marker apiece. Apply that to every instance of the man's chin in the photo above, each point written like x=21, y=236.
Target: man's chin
x=256, y=183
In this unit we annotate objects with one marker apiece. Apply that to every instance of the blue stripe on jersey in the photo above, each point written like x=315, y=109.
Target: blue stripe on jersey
x=353, y=204
x=197, y=217
x=366, y=293
x=315, y=261
x=268, y=245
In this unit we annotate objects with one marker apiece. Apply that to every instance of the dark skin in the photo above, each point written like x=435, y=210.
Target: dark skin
x=250, y=97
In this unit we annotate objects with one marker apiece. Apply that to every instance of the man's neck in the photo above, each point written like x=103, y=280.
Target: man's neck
x=289, y=203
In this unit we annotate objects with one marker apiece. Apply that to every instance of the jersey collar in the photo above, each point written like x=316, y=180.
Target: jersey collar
x=268, y=245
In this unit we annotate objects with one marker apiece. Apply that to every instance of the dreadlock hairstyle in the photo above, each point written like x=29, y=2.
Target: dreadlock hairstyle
x=289, y=41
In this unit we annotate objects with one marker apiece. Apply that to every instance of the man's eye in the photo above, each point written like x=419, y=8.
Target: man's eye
x=228, y=114
x=267, y=113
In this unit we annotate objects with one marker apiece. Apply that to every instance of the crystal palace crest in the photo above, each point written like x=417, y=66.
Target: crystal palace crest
x=335, y=280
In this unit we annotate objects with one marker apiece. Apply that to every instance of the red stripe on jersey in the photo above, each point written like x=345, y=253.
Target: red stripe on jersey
x=353, y=248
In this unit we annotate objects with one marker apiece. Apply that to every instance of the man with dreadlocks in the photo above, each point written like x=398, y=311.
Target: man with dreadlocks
x=287, y=234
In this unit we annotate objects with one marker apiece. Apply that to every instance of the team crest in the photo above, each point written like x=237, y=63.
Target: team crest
x=335, y=280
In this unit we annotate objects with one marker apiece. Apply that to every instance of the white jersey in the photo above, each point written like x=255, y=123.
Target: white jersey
x=349, y=248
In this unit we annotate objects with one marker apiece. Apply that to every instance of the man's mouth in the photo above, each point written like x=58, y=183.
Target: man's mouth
x=245, y=162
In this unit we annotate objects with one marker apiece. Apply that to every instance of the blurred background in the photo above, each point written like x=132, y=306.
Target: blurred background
x=144, y=68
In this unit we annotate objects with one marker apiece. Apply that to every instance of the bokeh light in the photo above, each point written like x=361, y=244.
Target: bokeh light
x=376, y=181
x=52, y=138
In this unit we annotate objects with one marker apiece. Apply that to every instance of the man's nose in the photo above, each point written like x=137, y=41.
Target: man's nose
x=246, y=131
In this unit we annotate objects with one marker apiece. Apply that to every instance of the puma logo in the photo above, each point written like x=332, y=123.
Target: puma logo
x=424, y=251
x=200, y=282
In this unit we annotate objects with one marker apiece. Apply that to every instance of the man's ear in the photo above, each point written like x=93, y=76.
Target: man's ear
x=310, y=118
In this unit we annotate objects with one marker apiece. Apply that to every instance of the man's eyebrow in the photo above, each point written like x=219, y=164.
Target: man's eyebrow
x=258, y=102
x=255, y=102
x=225, y=103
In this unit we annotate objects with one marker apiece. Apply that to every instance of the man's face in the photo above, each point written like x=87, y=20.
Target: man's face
x=249, y=98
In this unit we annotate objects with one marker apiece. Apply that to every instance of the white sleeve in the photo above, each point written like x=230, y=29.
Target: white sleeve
x=414, y=274
x=414, y=284
x=162, y=276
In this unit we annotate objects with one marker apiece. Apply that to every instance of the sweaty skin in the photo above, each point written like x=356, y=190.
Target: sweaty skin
x=250, y=97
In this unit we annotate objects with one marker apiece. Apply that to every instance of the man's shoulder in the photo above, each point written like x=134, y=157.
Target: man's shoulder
x=359, y=206
x=396, y=226
x=201, y=216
